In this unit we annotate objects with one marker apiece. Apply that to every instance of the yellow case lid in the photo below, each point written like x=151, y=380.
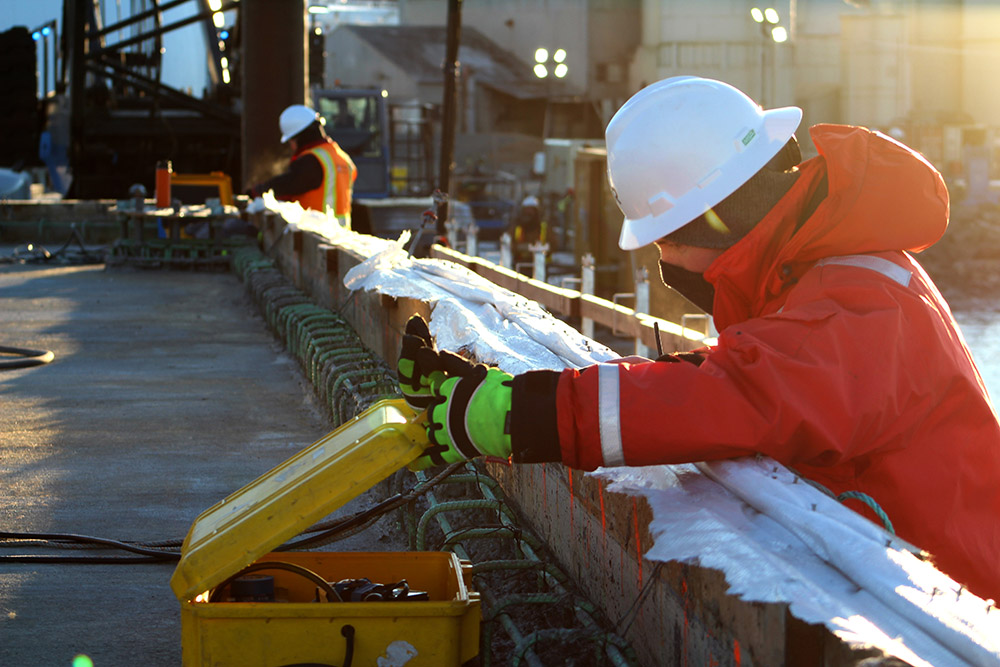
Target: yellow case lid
x=290, y=498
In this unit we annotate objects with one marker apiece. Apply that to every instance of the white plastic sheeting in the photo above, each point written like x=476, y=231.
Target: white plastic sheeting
x=471, y=314
x=776, y=538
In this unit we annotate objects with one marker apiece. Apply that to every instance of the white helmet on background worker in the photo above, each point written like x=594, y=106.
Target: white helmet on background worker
x=530, y=200
x=680, y=146
x=296, y=118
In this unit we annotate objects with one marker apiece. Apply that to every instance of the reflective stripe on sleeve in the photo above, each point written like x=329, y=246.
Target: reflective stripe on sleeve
x=329, y=179
x=887, y=268
x=609, y=413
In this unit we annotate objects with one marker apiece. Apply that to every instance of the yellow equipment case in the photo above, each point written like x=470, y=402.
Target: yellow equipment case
x=244, y=528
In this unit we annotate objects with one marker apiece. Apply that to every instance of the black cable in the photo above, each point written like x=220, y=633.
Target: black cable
x=41, y=255
x=318, y=533
x=331, y=594
x=70, y=537
x=27, y=357
x=633, y=611
x=360, y=518
x=94, y=560
x=15, y=256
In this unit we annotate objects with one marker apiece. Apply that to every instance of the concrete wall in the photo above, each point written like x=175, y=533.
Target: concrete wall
x=815, y=45
x=980, y=48
x=613, y=31
x=353, y=63
x=520, y=26
x=875, y=70
x=715, y=39
x=879, y=63
x=936, y=60
x=599, y=36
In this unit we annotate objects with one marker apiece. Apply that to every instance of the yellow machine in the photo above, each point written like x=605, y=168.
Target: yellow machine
x=216, y=179
x=302, y=619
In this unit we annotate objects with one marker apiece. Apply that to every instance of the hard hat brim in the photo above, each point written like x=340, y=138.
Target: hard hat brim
x=292, y=135
x=777, y=128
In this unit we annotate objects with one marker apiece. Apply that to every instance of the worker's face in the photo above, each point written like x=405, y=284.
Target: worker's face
x=293, y=146
x=687, y=256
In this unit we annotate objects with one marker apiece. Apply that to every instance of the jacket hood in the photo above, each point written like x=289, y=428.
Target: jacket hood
x=881, y=196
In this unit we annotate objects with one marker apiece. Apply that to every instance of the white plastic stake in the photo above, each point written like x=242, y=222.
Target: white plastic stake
x=471, y=241
x=506, y=256
x=538, y=251
x=587, y=287
x=641, y=306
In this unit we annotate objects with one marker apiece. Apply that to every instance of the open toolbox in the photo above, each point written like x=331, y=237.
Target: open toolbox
x=242, y=603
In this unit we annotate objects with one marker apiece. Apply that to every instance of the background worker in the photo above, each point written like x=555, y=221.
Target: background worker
x=320, y=175
x=529, y=228
x=837, y=355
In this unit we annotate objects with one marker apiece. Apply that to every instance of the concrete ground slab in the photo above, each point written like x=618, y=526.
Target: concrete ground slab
x=166, y=394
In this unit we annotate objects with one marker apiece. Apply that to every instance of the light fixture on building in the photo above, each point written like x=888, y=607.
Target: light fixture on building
x=771, y=32
x=769, y=21
x=541, y=57
x=561, y=69
x=541, y=68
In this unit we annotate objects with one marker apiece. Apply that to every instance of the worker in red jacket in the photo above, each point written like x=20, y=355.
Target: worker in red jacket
x=837, y=355
x=320, y=175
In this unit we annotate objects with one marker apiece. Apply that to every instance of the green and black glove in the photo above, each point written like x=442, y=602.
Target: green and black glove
x=468, y=405
x=470, y=416
x=413, y=381
x=469, y=411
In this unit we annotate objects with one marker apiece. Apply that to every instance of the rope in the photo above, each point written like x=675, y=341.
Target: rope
x=851, y=495
x=874, y=506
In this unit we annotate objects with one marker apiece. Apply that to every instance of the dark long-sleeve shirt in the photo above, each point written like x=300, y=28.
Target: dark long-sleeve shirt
x=304, y=173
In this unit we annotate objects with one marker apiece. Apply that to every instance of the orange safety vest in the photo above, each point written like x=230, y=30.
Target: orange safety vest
x=339, y=174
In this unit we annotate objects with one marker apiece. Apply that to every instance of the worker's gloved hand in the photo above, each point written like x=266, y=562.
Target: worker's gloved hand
x=469, y=414
x=413, y=381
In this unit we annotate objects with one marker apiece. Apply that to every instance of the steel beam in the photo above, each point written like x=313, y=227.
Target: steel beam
x=449, y=110
x=275, y=75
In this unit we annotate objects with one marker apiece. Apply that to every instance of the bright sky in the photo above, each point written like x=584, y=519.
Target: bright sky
x=184, y=56
x=29, y=14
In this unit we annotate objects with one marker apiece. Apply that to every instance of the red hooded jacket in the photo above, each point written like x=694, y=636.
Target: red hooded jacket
x=837, y=356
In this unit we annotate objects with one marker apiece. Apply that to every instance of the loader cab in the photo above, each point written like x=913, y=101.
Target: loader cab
x=357, y=119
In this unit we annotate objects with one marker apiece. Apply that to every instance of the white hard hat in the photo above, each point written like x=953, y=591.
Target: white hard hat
x=296, y=118
x=682, y=145
x=530, y=200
